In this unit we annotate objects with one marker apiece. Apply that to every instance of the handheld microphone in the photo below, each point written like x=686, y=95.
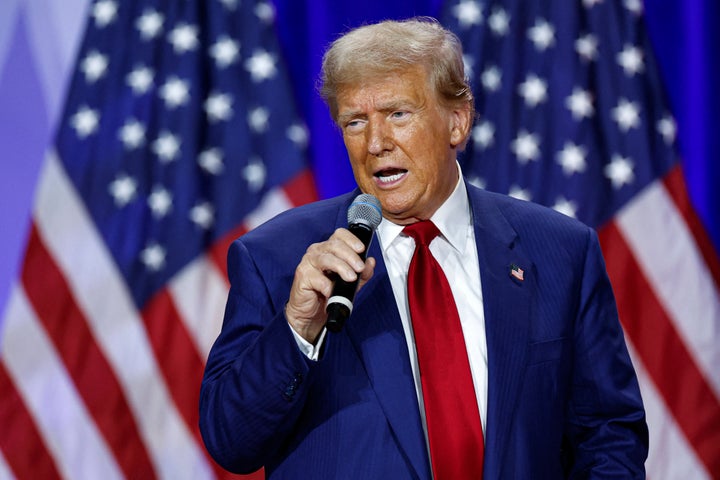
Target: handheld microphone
x=364, y=215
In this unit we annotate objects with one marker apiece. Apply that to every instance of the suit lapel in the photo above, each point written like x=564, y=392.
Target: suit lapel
x=508, y=287
x=376, y=332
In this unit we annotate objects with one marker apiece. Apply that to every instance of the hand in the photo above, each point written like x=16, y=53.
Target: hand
x=312, y=285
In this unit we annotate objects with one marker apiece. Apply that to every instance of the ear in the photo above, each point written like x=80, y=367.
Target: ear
x=460, y=123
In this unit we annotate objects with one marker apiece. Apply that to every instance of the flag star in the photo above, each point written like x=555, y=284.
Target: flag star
x=526, y=146
x=298, y=134
x=491, y=78
x=225, y=51
x=166, y=147
x=483, y=134
x=254, y=174
x=580, y=104
x=175, y=92
x=258, y=118
x=619, y=171
x=634, y=6
x=587, y=47
x=469, y=65
x=123, y=190
x=499, y=22
x=203, y=215
x=566, y=207
x=132, y=134
x=85, y=121
x=150, y=24
x=160, y=202
x=519, y=193
x=153, y=257
x=218, y=107
x=265, y=12
x=211, y=160
x=184, y=38
x=230, y=4
x=468, y=13
x=631, y=60
x=667, y=128
x=140, y=79
x=572, y=158
x=626, y=114
x=261, y=66
x=478, y=182
x=533, y=90
x=94, y=66
x=591, y=3
x=542, y=34
x=104, y=12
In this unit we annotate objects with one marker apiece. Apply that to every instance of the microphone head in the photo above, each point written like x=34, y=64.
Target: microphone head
x=365, y=209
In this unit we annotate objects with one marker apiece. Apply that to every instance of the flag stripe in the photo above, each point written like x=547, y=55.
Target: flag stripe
x=669, y=261
x=97, y=287
x=93, y=376
x=71, y=437
x=199, y=292
x=675, y=185
x=5, y=473
x=297, y=191
x=668, y=362
x=671, y=453
x=20, y=439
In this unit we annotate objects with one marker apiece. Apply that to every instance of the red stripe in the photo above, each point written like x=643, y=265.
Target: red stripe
x=671, y=366
x=301, y=189
x=92, y=374
x=20, y=440
x=675, y=184
x=180, y=363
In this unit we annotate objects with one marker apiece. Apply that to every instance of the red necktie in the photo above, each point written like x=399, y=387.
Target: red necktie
x=451, y=411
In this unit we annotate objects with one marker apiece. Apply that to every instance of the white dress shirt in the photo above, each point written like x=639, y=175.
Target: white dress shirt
x=456, y=253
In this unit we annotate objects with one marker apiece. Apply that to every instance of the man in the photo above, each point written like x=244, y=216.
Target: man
x=555, y=394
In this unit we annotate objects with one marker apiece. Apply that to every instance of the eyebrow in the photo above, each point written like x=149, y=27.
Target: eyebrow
x=390, y=106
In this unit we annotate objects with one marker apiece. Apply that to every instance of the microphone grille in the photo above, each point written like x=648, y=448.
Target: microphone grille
x=365, y=209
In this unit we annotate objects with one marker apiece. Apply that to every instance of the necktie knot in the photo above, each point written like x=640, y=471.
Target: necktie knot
x=423, y=232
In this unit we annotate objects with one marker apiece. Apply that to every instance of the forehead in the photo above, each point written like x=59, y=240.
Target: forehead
x=409, y=86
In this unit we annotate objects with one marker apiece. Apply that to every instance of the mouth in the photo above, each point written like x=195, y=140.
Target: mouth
x=390, y=176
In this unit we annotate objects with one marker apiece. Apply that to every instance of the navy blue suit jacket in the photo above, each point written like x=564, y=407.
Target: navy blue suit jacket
x=563, y=399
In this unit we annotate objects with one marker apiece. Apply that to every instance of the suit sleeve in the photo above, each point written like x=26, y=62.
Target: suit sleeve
x=256, y=377
x=606, y=429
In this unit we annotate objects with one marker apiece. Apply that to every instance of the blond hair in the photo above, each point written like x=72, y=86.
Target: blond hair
x=371, y=51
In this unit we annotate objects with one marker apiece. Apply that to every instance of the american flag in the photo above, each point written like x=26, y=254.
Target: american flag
x=571, y=114
x=179, y=133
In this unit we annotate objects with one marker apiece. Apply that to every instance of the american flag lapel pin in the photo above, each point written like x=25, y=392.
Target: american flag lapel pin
x=517, y=272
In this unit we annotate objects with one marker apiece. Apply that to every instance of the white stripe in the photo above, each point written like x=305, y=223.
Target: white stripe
x=671, y=457
x=49, y=394
x=666, y=251
x=5, y=472
x=200, y=293
x=276, y=201
x=100, y=292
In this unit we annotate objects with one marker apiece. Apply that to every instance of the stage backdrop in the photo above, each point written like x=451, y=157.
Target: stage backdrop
x=138, y=138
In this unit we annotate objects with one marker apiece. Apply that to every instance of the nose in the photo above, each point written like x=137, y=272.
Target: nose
x=378, y=137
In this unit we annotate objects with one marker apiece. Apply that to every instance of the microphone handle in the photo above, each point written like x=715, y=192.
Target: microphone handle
x=340, y=303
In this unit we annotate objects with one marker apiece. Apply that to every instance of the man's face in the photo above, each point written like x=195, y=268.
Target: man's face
x=402, y=143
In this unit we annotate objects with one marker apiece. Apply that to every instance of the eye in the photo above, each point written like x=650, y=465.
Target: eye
x=399, y=114
x=354, y=125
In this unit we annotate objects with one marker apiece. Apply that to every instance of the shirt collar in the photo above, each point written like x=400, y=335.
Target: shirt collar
x=453, y=218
